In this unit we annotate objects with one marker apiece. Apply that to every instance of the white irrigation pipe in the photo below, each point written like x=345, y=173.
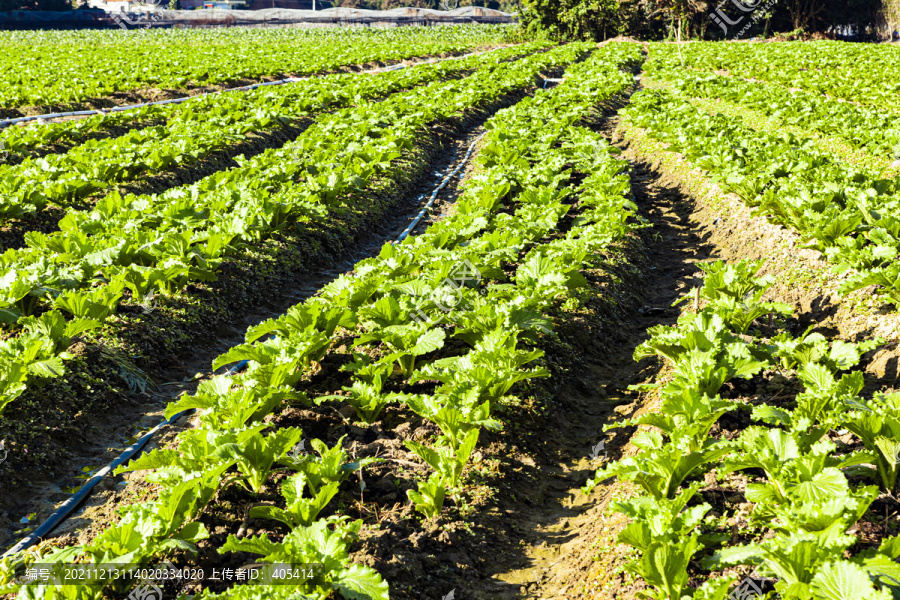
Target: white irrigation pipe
x=101, y=111
x=434, y=194
x=86, y=113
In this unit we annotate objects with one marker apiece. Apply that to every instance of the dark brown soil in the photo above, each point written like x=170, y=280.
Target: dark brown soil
x=524, y=502
x=12, y=231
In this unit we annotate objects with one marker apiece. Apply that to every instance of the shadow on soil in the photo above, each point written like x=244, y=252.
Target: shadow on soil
x=532, y=539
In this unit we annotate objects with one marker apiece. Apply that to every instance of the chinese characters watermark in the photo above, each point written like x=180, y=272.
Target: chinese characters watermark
x=750, y=588
x=145, y=20
x=754, y=8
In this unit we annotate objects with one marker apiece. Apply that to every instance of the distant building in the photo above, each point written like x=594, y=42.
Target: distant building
x=253, y=4
x=128, y=6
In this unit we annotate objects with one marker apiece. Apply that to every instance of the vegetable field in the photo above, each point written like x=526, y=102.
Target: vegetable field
x=70, y=68
x=509, y=319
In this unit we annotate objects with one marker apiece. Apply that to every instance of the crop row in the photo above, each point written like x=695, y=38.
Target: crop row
x=48, y=68
x=802, y=468
x=151, y=244
x=21, y=140
x=486, y=275
x=195, y=130
x=847, y=212
x=862, y=126
x=861, y=73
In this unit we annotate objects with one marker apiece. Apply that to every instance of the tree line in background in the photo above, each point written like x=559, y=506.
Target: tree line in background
x=648, y=19
x=718, y=19
x=53, y=5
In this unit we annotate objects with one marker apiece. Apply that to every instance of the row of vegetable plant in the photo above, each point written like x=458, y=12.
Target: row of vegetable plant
x=802, y=468
x=401, y=307
x=190, y=132
x=870, y=128
x=859, y=73
x=845, y=211
x=27, y=138
x=56, y=67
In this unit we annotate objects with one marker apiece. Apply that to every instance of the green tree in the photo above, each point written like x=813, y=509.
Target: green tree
x=573, y=19
x=890, y=16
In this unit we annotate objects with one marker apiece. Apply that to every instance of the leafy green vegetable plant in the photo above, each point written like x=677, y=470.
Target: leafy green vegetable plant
x=300, y=511
x=429, y=499
x=257, y=454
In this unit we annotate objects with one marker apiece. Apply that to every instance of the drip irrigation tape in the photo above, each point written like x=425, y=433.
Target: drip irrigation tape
x=69, y=506
x=86, y=113
x=434, y=194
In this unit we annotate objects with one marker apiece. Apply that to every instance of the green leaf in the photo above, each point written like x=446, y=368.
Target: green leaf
x=827, y=484
x=361, y=583
x=50, y=367
x=77, y=326
x=432, y=340
x=193, y=532
x=255, y=545
x=844, y=580
x=9, y=316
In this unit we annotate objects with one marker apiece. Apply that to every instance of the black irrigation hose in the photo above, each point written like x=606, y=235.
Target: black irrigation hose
x=69, y=506
x=447, y=179
x=434, y=194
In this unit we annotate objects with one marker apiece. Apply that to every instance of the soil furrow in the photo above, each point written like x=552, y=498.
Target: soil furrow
x=553, y=546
